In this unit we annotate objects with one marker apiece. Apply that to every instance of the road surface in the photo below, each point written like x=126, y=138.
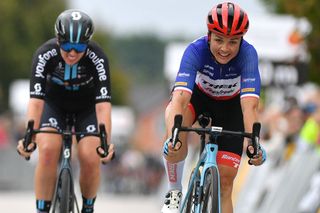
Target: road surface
x=23, y=202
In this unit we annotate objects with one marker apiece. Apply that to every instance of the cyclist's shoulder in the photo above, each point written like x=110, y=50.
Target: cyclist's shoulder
x=200, y=43
x=247, y=48
x=49, y=47
x=94, y=48
x=198, y=48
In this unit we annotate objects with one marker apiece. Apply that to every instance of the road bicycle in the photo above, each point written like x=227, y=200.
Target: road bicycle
x=64, y=199
x=203, y=192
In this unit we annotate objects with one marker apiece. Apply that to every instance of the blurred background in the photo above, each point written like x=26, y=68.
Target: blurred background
x=144, y=41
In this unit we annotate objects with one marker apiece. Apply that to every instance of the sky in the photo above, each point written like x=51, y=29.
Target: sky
x=166, y=17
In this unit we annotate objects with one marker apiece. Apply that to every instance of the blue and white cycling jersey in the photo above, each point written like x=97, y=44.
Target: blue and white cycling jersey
x=219, y=81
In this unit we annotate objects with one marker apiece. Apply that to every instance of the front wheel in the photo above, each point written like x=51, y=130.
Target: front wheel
x=66, y=192
x=192, y=198
x=211, y=198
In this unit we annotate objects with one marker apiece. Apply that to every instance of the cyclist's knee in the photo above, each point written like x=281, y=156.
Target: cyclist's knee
x=227, y=176
x=49, y=152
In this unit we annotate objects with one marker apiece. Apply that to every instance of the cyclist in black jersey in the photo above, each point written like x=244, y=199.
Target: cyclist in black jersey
x=70, y=75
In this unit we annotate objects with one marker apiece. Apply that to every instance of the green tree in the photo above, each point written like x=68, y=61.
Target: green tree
x=311, y=10
x=24, y=26
x=141, y=57
x=119, y=79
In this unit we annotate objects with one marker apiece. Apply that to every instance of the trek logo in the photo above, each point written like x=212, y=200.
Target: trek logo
x=172, y=171
x=99, y=63
x=42, y=61
x=218, y=87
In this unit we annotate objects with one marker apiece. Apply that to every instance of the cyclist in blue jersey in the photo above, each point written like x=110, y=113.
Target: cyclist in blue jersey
x=70, y=75
x=219, y=75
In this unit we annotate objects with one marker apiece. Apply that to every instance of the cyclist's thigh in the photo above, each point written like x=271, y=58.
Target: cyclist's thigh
x=51, y=119
x=86, y=121
x=227, y=114
x=187, y=114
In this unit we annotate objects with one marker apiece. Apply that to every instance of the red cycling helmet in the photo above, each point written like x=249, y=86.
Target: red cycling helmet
x=228, y=19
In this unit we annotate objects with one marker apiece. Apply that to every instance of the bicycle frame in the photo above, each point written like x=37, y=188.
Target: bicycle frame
x=208, y=157
x=65, y=164
x=66, y=151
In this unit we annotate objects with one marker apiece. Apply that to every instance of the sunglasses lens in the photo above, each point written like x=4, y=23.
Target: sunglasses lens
x=67, y=46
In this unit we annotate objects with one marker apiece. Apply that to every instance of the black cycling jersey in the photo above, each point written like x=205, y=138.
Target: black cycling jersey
x=72, y=88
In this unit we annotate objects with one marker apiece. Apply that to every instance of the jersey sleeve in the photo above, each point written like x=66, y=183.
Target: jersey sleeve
x=189, y=66
x=102, y=73
x=40, y=67
x=250, y=76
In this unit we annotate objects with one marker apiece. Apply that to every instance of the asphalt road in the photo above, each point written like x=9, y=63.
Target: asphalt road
x=23, y=202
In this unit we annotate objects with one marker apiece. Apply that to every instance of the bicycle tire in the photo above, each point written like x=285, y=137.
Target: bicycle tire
x=210, y=200
x=66, y=192
x=191, y=199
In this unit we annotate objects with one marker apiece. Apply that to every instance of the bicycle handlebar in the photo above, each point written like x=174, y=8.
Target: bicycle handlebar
x=102, y=134
x=217, y=131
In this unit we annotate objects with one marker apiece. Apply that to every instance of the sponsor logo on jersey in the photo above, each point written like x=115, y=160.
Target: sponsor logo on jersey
x=183, y=74
x=52, y=123
x=208, y=70
x=248, y=80
x=104, y=94
x=219, y=87
x=248, y=90
x=180, y=83
x=37, y=90
x=91, y=128
x=42, y=61
x=98, y=63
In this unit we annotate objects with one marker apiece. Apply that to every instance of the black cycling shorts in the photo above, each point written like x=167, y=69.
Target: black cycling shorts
x=55, y=117
x=224, y=113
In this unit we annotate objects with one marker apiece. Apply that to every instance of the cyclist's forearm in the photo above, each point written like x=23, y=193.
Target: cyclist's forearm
x=35, y=108
x=103, y=112
x=179, y=104
x=250, y=112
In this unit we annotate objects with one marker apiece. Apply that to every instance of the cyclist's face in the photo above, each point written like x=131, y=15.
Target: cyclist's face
x=71, y=57
x=224, y=48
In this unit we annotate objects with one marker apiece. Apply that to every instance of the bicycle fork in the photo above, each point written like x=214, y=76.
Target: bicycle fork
x=210, y=160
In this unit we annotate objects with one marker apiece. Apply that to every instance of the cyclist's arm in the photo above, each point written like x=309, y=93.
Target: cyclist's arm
x=179, y=104
x=103, y=112
x=249, y=105
x=250, y=115
x=35, y=108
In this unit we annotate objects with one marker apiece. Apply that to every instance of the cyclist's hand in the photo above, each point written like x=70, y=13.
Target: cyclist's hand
x=110, y=156
x=169, y=150
x=25, y=152
x=259, y=159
